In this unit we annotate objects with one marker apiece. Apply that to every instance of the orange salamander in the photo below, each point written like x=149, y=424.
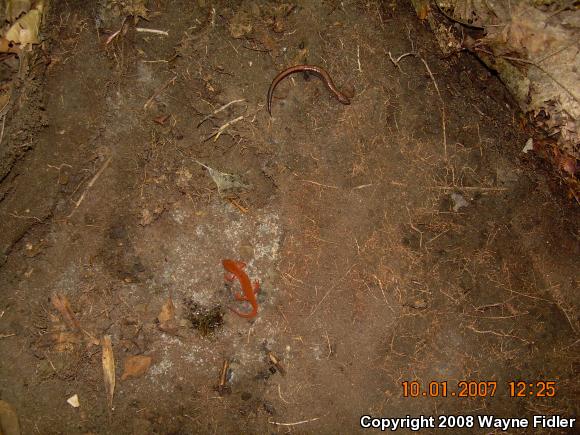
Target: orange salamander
x=235, y=270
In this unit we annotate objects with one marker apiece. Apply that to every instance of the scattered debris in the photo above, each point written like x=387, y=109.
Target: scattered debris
x=148, y=217
x=240, y=25
x=458, y=201
x=135, y=366
x=73, y=401
x=276, y=363
x=205, y=320
x=108, y=360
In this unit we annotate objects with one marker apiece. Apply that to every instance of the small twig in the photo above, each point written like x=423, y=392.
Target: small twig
x=158, y=91
x=358, y=58
x=117, y=33
x=225, y=106
x=93, y=180
x=7, y=335
x=280, y=395
x=396, y=62
x=222, y=385
x=294, y=424
x=362, y=186
x=413, y=53
x=216, y=134
x=17, y=216
x=471, y=188
x=113, y=36
x=3, y=122
x=415, y=228
x=155, y=31
x=499, y=334
x=442, y=106
x=242, y=209
x=319, y=184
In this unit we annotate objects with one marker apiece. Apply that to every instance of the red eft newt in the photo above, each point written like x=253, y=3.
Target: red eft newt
x=235, y=270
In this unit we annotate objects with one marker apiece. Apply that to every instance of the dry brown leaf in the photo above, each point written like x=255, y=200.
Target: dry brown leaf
x=166, y=318
x=108, y=368
x=8, y=47
x=62, y=304
x=25, y=29
x=15, y=8
x=135, y=366
x=423, y=12
x=167, y=311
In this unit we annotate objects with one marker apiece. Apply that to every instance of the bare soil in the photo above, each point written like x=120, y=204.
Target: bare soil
x=370, y=273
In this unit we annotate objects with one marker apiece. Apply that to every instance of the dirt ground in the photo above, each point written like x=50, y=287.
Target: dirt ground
x=403, y=237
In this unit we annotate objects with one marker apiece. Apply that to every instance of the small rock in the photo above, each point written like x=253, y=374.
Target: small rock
x=458, y=201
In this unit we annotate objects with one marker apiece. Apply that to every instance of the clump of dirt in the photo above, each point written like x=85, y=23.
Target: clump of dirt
x=205, y=320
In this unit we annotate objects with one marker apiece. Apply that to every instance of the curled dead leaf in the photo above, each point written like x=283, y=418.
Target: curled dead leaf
x=62, y=304
x=108, y=360
x=135, y=366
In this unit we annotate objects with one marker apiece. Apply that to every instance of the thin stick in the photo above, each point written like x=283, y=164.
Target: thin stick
x=155, y=31
x=223, y=128
x=294, y=424
x=225, y=106
x=93, y=180
x=158, y=91
x=242, y=209
x=396, y=62
x=358, y=57
x=319, y=184
x=113, y=36
x=17, y=216
x=3, y=122
x=499, y=334
x=442, y=106
x=471, y=188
